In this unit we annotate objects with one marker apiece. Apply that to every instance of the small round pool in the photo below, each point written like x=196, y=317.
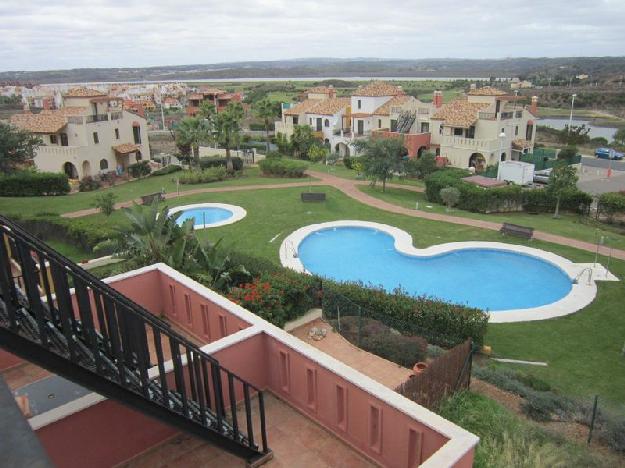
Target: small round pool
x=206, y=215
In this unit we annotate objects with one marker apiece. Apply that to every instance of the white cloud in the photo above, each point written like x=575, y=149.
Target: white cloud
x=49, y=34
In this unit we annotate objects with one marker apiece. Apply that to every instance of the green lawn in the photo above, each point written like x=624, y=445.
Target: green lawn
x=568, y=225
x=124, y=192
x=339, y=170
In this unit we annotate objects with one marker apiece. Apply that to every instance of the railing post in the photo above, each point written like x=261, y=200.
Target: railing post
x=263, y=424
x=233, y=402
x=248, y=414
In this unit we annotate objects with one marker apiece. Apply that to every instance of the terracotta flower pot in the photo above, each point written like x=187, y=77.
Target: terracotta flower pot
x=419, y=367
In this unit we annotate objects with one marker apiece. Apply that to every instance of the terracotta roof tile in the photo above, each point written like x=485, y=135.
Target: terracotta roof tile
x=460, y=113
x=126, y=148
x=385, y=109
x=70, y=110
x=487, y=91
x=84, y=92
x=39, y=123
x=302, y=107
x=378, y=89
x=330, y=106
x=210, y=90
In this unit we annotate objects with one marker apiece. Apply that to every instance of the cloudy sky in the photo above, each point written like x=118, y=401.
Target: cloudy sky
x=53, y=34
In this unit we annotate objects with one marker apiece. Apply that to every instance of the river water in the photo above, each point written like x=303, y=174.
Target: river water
x=605, y=132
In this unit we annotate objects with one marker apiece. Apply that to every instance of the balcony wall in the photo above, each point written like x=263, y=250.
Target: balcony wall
x=373, y=419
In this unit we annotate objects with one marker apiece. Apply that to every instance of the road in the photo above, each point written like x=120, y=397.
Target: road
x=591, y=161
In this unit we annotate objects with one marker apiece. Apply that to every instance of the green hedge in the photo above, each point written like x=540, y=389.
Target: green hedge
x=83, y=232
x=612, y=203
x=204, y=176
x=140, y=169
x=501, y=199
x=259, y=126
x=167, y=170
x=283, y=167
x=439, y=322
x=33, y=184
x=237, y=163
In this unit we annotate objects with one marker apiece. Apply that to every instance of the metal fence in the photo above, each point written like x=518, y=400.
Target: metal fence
x=445, y=375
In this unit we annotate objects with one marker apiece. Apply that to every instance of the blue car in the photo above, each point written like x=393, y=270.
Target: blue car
x=608, y=153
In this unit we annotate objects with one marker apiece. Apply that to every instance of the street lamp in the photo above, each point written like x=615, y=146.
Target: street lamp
x=571, y=116
x=502, y=137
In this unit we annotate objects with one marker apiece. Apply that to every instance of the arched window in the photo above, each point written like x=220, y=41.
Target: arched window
x=326, y=123
x=104, y=164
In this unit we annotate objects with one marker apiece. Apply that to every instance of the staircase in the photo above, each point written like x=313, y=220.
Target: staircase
x=103, y=341
x=405, y=121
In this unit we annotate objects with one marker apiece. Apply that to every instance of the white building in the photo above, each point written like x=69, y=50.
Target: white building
x=484, y=127
x=89, y=135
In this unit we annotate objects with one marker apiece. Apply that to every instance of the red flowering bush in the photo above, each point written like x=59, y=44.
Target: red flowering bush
x=261, y=298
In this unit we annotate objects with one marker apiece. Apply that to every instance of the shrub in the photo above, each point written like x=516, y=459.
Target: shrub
x=139, y=169
x=299, y=292
x=261, y=127
x=501, y=199
x=274, y=155
x=403, y=350
x=612, y=203
x=105, y=202
x=167, y=170
x=450, y=196
x=347, y=162
x=439, y=322
x=33, y=184
x=89, y=184
x=544, y=406
x=261, y=298
x=194, y=176
x=237, y=163
x=283, y=167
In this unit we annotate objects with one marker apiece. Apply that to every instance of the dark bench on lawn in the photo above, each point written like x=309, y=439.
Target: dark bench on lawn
x=149, y=199
x=313, y=196
x=516, y=230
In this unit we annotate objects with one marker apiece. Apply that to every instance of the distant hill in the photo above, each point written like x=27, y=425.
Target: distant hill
x=564, y=67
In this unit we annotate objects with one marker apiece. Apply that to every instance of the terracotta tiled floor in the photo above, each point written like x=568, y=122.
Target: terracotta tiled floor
x=24, y=374
x=386, y=372
x=296, y=441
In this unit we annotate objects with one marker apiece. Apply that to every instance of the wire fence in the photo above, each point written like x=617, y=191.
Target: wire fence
x=373, y=331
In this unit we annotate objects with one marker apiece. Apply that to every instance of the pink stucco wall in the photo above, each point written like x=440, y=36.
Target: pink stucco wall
x=101, y=436
x=8, y=360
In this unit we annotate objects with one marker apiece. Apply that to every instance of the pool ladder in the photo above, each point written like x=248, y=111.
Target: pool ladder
x=581, y=273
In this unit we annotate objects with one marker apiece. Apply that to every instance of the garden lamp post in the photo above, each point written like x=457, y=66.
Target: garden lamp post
x=573, y=96
x=502, y=137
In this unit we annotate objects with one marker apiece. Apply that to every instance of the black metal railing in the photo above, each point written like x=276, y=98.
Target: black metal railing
x=101, y=339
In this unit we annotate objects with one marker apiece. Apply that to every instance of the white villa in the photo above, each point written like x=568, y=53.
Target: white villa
x=90, y=134
x=486, y=126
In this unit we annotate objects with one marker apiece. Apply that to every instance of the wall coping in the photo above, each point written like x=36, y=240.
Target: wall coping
x=582, y=292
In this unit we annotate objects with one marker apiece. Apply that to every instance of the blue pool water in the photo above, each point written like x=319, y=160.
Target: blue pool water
x=486, y=278
x=209, y=215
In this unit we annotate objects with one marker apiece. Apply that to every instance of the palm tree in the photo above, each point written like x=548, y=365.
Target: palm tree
x=192, y=132
x=227, y=128
x=153, y=236
x=265, y=110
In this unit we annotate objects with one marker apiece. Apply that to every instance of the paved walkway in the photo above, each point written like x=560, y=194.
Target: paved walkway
x=350, y=188
x=379, y=369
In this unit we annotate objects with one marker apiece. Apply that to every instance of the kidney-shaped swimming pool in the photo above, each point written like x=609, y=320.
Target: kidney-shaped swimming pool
x=490, y=279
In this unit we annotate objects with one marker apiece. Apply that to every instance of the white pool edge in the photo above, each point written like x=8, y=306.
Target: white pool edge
x=238, y=213
x=582, y=292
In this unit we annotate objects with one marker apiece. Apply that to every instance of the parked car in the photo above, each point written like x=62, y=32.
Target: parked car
x=542, y=177
x=608, y=153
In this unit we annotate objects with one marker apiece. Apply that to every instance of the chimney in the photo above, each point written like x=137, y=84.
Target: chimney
x=534, y=105
x=437, y=99
x=473, y=86
x=331, y=92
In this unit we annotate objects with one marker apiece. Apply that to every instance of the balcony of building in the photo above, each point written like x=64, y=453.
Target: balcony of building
x=318, y=411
